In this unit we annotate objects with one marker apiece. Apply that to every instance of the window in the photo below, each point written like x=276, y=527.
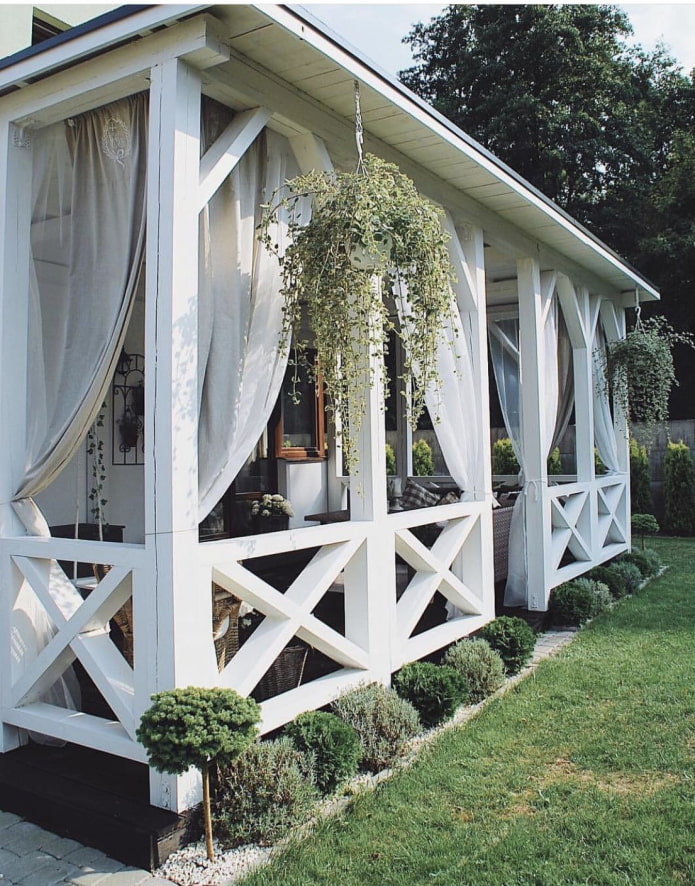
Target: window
x=300, y=420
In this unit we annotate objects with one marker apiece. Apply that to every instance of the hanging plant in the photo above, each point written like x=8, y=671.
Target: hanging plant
x=640, y=371
x=95, y=449
x=370, y=231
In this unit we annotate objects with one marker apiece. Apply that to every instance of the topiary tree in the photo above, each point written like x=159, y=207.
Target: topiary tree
x=198, y=727
x=644, y=524
x=434, y=691
x=391, y=468
x=333, y=744
x=423, y=463
x=640, y=487
x=513, y=639
x=504, y=461
x=679, y=479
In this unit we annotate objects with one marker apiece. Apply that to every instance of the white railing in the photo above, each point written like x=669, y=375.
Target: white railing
x=358, y=561
x=382, y=575
x=589, y=524
x=33, y=584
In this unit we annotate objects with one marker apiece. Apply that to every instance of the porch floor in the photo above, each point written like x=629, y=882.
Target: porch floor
x=95, y=798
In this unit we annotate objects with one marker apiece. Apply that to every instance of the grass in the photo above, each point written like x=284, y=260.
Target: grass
x=582, y=774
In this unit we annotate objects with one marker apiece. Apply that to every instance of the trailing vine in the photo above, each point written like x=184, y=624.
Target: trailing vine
x=374, y=212
x=640, y=370
x=95, y=449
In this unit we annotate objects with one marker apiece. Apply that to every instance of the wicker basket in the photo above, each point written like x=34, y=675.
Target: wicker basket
x=284, y=674
x=225, y=625
x=501, y=523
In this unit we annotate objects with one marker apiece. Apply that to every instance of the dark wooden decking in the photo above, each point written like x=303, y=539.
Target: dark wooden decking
x=94, y=798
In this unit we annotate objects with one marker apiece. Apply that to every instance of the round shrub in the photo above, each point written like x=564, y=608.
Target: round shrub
x=631, y=574
x=263, y=794
x=382, y=720
x=603, y=597
x=513, y=639
x=434, y=691
x=656, y=564
x=572, y=603
x=332, y=743
x=575, y=602
x=610, y=577
x=641, y=561
x=480, y=666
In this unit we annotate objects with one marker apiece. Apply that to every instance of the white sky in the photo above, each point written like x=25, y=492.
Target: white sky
x=377, y=29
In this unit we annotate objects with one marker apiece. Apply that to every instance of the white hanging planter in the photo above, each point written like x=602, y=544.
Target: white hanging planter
x=364, y=260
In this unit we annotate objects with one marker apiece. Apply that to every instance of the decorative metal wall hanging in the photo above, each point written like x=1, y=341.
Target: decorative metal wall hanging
x=128, y=410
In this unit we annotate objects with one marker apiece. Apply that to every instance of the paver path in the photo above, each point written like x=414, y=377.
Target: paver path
x=31, y=856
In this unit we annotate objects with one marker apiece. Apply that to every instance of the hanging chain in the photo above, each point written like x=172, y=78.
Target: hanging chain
x=638, y=310
x=359, y=129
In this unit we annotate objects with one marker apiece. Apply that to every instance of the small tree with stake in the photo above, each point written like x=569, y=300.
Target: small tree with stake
x=201, y=728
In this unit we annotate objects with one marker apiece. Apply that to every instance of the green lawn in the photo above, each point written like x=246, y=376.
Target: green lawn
x=583, y=774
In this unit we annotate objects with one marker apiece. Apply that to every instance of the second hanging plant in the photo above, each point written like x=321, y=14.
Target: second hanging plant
x=366, y=226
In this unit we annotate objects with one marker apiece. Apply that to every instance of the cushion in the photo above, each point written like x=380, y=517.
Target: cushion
x=450, y=498
x=416, y=496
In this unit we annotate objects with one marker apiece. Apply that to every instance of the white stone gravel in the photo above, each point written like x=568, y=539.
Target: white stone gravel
x=190, y=866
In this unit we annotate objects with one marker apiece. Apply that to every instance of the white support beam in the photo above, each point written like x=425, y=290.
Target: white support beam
x=229, y=148
x=537, y=535
x=614, y=325
x=175, y=616
x=15, y=223
x=113, y=75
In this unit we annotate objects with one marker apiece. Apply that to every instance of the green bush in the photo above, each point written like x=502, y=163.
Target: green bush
x=480, y=666
x=679, y=479
x=434, y=691
x=631, y=574
x=612, y=578
x=332, y=743
x=503, y=459
x=640, y=487
x=263, y=794
x=644, y=524
x=656, y=564
x=642, y=561
x=575, y=602
x=423, y=463
x=513, y=639
x=384, y=723
x=390, y=460
x=555, y=462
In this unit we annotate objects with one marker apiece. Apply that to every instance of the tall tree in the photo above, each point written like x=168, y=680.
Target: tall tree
x=603, y=128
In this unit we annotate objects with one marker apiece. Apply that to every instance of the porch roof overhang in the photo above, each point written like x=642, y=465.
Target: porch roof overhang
x=289, y=50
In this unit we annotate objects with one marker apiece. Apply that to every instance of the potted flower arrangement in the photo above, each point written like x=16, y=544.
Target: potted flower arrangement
x=370, y=234
x=270, y=512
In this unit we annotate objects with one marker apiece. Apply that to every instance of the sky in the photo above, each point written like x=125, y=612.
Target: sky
x=377, y=29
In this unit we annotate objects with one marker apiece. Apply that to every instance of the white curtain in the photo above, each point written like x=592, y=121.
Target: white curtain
x=452, y=403
x=240, y=315
x=505, y=352
x=604, y=429
x=87, y=241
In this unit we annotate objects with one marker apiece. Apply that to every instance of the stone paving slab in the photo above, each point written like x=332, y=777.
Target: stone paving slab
x=32, y=856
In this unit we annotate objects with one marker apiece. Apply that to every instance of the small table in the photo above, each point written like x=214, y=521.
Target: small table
x=329, y=517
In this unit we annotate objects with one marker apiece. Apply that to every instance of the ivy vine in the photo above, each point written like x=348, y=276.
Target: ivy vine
x=378, y=212
x=95, y=449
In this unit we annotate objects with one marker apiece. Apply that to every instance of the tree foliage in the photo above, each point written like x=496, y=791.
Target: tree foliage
x=602, y=127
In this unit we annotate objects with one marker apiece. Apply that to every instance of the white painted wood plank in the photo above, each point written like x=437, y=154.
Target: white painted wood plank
x=420, y=645
x=229, y=148
x=83, y=729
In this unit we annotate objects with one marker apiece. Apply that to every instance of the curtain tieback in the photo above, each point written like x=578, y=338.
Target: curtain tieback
x=536, y=486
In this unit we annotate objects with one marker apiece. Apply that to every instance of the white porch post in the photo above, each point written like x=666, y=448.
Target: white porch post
x=370, y=586
x=176, y=612
x=579, y=312
x=15, y=228
x=532, y=402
